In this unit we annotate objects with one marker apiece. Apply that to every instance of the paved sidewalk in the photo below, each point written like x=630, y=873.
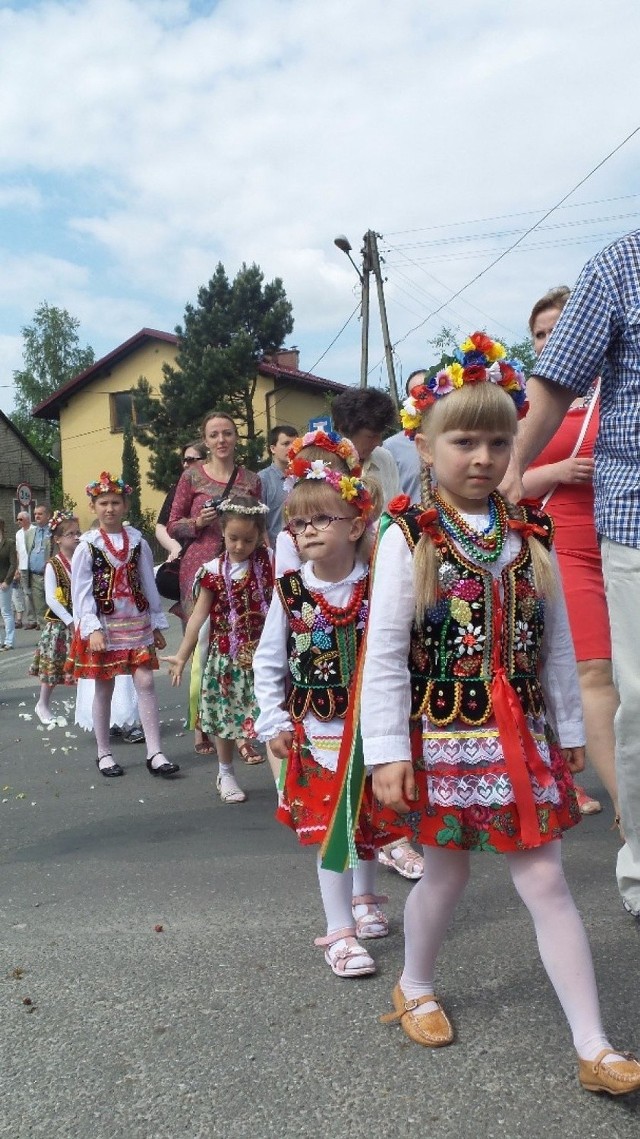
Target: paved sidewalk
x=165, y=942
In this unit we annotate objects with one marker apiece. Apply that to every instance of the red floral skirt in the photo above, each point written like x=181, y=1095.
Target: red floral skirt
x=305, y=806
x=480, y=828
x=83, y=664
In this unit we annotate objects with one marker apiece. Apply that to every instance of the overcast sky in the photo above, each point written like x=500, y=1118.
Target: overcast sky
x=142, y=141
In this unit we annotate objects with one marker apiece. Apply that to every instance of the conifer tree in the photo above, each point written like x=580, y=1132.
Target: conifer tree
x=224, y=335
x=131, y=475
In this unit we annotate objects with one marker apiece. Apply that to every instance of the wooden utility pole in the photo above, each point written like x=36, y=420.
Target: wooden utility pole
x=364, y=277
x=388, y=351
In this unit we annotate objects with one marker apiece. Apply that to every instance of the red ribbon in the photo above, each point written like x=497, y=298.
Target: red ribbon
x=522, y=758
x=527, y=529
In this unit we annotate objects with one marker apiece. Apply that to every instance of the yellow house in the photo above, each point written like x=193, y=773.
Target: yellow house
x=94, y=407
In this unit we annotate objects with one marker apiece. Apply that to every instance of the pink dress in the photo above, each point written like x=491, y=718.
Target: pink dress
x=193, y=490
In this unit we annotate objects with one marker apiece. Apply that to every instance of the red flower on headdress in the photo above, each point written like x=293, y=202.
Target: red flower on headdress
x=399, y=504
x=474, y=373
x=482, y=342
x=298, y=467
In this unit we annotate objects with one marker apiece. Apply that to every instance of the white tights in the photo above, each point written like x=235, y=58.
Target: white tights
x=337, y=890
x=564, y=950
x=148, y=711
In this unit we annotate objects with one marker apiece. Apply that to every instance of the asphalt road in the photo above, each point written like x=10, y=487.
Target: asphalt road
x=158, y=976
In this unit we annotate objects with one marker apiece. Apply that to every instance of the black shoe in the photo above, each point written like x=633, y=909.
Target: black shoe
x=109, y=772
x=166, y=770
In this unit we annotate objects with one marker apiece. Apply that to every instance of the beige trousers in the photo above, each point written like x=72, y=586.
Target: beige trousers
x=621, y=569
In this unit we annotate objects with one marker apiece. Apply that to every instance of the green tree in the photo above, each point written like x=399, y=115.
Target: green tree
x=448, y=339
x=222, y=341
x=131, y=475
x=51, y=355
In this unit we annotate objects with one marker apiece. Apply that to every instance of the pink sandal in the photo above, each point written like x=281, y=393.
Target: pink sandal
x=369, y=918
x=401, y=857
x=344, y=956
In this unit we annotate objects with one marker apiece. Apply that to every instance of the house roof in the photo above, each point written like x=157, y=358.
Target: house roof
x=50, y=408
x=25, y=443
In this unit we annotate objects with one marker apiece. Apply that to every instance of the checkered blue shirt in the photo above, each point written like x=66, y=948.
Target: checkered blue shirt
x=599, y=334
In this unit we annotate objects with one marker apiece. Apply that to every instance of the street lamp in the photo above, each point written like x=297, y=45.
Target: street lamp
x=345, y=246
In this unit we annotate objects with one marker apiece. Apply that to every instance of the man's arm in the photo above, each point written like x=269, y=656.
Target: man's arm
x=548, y=405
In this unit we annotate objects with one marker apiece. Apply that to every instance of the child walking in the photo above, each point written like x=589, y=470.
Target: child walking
x=469, y=643
x=119, y=615
x=234, y=593
x=311, y=639
x=55, y=639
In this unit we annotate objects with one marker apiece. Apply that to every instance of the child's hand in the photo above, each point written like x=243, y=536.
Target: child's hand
x=97, y=641
x=394, y=785
x=574, y=757
x=176, y=668
x=159, y=640
x=281, y=744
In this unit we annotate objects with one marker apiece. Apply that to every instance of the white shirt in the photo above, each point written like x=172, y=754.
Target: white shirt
x=83, y=601
x=386, y=691
x=271, y=670
x=21, y=548
x=407, y=459
x=50, y=586
x=382, y=465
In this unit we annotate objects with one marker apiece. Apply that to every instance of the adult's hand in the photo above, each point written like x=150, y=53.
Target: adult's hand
x=575, y=470
x=206, y=517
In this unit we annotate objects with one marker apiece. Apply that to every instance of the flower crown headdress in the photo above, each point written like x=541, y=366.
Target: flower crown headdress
x=350, y=488
x=230, y=507
x=107, y=484
x=60, y=516
x=479, y=359
x=329, y=441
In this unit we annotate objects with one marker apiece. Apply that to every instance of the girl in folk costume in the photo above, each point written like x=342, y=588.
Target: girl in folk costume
x=55, y=639
x=234, y=592
x=119, y=615
x=311, y=639
x=469, y=643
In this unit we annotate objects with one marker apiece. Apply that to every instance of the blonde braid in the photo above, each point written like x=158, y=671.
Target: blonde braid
x=426, y=558
x=543, y=572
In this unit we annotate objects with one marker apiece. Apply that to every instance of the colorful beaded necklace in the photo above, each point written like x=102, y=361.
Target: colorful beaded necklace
x=484, y=545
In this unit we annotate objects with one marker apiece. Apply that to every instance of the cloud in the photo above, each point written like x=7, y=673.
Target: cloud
x=158, y=138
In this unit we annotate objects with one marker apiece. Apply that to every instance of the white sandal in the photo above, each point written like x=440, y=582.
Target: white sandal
x=344, y=956
x=370, y=920
x=228, y=789
x=401, y=857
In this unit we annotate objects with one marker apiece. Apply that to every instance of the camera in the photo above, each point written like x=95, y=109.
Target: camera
x=212, y=502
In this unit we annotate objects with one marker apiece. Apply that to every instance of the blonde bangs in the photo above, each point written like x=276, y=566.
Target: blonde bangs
x=474, y=407
x=315, y=496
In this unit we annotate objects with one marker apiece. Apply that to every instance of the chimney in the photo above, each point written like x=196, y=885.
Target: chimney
x=288, y=358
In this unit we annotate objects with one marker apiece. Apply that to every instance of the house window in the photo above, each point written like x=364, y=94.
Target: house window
x=122, y=410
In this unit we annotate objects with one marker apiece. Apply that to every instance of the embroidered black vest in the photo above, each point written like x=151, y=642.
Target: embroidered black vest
x=322, y=656
x=104, y=579
x=451, y=653
x=63, y=583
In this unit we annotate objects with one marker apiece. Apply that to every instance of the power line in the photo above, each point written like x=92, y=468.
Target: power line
x=506, y=217
x=520, y=239
x=336, y=337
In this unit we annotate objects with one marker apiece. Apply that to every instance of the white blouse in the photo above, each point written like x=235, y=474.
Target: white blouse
x=386, y=693
x=83, y=601
x=271, y=670
x=50, y=586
